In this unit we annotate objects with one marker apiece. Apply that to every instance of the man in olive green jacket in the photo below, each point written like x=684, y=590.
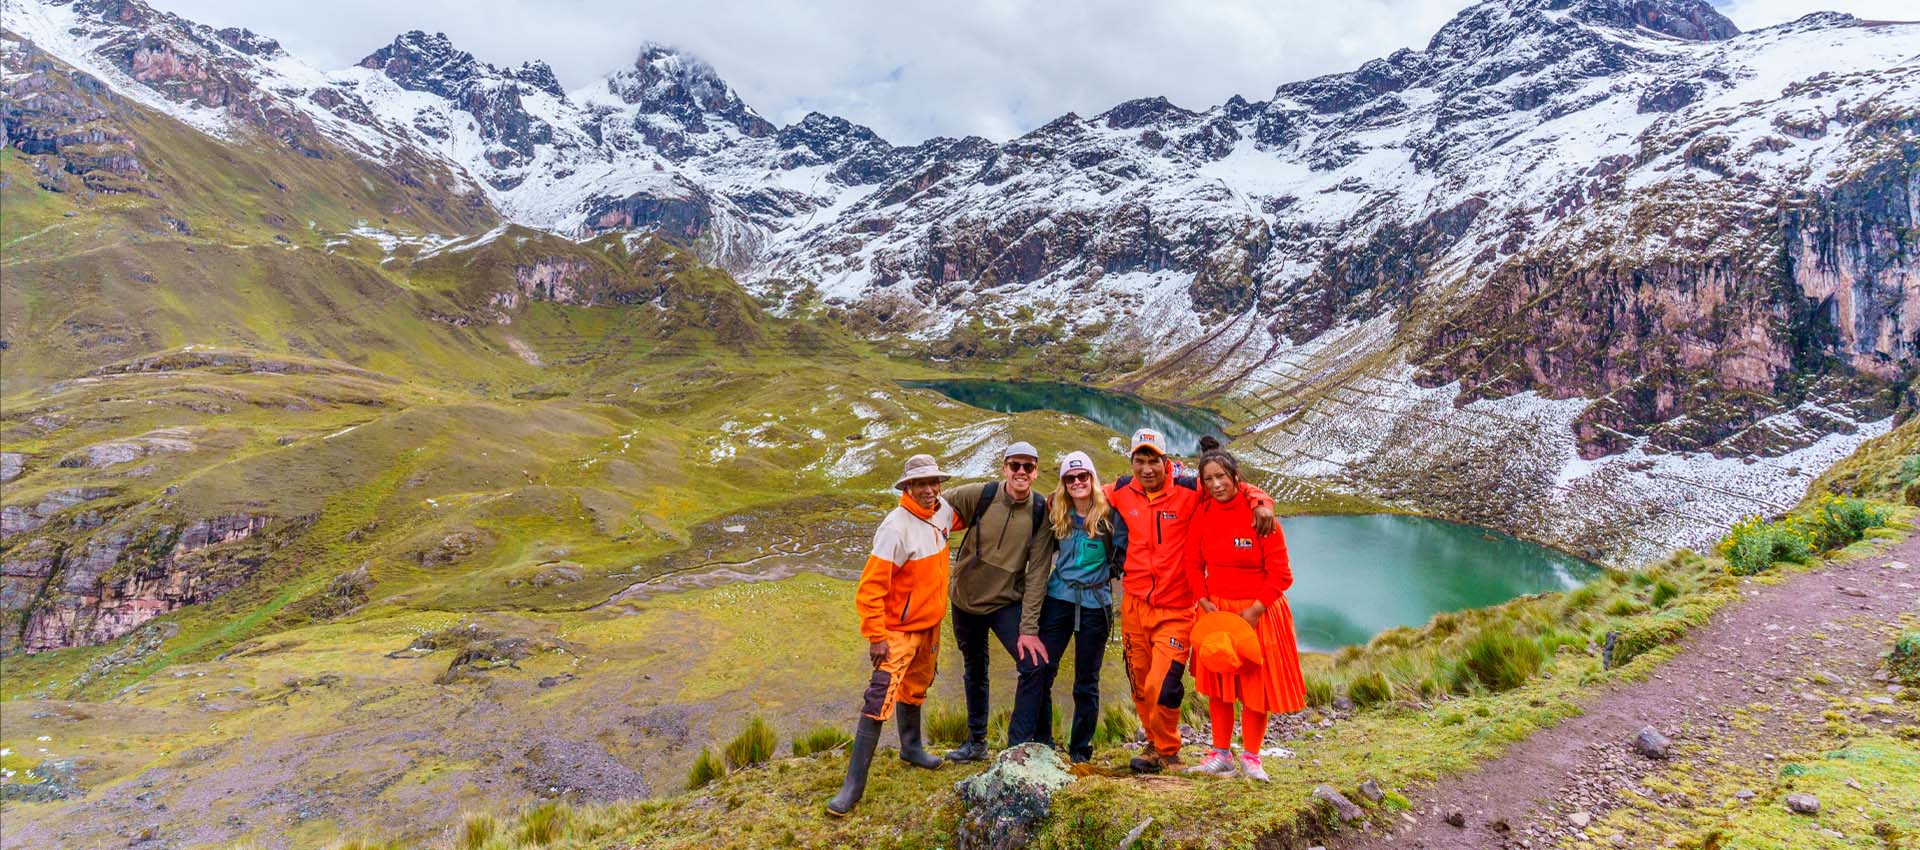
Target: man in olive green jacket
x=999, y=583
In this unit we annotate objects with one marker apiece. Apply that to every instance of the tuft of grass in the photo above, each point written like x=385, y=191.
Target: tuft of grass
x=477, y=829
x=1370, y=689
x=944, y=724
x=1625, y=606
x=706, y=768
x=542, y=825
x=753, y=746
x=1118, y=726
x=1501, y=660
x=1663, y=592
x=1319, y=691
x=820, y=739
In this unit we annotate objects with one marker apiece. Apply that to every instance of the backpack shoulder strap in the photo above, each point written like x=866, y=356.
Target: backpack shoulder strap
x=987, y=495
x=1039, y=512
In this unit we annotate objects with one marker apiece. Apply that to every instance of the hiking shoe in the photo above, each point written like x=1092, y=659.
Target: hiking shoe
x=1251, y=769
x=1217, y=763
x=969, y=751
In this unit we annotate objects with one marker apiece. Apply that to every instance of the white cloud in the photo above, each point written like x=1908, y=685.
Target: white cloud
x=914, y=68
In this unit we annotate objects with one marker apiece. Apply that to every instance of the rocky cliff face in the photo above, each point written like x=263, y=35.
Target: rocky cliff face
x=58, y=591
x=1622, y=230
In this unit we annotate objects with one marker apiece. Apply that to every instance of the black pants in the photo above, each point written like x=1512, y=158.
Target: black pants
x=1029, y=694
x=1089, y=653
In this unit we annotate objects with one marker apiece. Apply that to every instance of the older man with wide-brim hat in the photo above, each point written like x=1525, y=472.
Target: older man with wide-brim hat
x=901, y=598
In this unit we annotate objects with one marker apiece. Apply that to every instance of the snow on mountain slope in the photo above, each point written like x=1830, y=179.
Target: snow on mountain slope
x=1626, y=264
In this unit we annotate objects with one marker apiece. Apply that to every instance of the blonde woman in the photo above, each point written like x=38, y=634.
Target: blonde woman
x=1089, y=541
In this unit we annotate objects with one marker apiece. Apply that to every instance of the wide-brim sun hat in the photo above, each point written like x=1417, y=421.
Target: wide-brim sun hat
x=920, y=466
x=1225, y=643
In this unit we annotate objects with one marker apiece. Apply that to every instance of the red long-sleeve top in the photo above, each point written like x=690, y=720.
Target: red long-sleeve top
x=1225, y=559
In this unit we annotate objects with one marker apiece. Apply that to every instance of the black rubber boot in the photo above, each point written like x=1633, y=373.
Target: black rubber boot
x=911, y=750
x=866, y=737
x=969, y=751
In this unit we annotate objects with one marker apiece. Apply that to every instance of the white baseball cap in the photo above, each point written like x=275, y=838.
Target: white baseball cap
x=1147, y=438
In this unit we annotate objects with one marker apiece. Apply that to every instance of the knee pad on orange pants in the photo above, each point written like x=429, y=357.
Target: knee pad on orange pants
x=906, y=674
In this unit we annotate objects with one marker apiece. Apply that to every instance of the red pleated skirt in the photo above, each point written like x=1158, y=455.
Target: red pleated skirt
x=1275, y=685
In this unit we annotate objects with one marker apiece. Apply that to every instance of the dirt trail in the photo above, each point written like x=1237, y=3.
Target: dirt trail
x=1828, y=626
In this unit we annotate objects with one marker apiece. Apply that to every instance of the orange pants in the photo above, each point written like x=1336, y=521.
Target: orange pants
x=1156, y=645
x=905, y=675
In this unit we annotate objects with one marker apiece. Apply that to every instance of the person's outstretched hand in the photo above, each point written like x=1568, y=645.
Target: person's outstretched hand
x=1030, y=648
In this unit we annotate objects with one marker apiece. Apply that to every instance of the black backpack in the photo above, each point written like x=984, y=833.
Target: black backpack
x=992, y=491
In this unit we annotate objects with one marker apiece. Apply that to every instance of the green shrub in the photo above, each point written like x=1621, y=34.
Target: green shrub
x=1664, y=592
x=1753, y=547
x=1319, y=691
x=477, y=829
x=1501, y=660
x=754, y=745
x=1837, y=521
x=820, y=739
x=944, y=724
x=1904, y=661
x=1909, y=470
x=706, y=768
x=1370, y=689
x=542, y=825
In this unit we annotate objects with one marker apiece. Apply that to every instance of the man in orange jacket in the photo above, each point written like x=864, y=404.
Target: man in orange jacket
x=901, y=598
x=1157, y=606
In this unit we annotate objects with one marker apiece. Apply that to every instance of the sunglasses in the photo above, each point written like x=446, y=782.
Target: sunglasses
x=1022, y=466
x=1078, y=478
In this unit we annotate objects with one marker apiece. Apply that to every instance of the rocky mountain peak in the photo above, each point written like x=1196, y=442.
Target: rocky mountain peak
x=1496, y=26
x=539, y=75
x=1693, y=20
x=429, y=63
x=678, y=84
x=248, y=42
x=1144, y=111
x=829, y=136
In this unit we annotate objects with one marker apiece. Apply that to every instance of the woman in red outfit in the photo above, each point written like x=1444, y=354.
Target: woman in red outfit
x=1246, y=574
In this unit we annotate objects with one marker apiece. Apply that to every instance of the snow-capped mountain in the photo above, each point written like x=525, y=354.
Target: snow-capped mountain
x=1613, y=259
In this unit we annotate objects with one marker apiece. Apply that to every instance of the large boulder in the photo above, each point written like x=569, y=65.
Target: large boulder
x=1005, y=806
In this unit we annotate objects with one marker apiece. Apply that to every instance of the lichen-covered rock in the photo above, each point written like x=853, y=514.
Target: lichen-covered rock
x=1005, y=806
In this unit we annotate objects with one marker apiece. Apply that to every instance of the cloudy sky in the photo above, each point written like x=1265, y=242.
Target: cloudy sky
x=912, y=69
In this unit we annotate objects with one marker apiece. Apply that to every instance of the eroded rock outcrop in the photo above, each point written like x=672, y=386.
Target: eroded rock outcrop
x=129, y=572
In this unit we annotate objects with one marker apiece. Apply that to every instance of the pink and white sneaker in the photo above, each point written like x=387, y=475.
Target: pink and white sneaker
x=1251, y=769
x=1217, y=763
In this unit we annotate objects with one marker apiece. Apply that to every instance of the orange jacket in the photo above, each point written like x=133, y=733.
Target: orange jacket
x=1225, y=559
x=1157, y=537
x=903, y=587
